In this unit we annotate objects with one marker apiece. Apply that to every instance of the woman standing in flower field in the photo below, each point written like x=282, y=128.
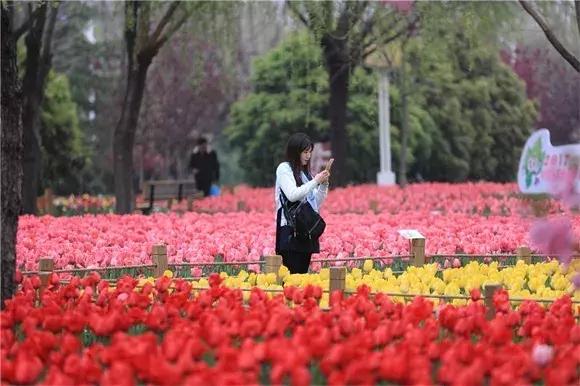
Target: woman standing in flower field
x=294, y=183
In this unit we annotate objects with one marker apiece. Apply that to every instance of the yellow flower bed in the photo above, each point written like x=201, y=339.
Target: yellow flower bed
x=530, y=281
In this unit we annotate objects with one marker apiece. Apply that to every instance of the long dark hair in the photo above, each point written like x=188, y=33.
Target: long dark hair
x=296, y=144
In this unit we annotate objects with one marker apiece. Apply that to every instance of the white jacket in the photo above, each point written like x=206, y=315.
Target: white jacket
x=286, y=183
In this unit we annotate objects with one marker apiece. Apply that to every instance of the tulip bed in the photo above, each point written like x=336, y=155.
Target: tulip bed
x=534, y=281
x=362, y=221
x=83, y=204
x=244, y=327
x=482, y=199
x=87, y=332
x=111, y=240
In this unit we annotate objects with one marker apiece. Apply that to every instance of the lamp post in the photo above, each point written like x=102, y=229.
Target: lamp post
x=380, y=61
x=385, y=176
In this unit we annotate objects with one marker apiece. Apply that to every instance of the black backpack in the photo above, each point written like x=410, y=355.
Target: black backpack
x=307, y=223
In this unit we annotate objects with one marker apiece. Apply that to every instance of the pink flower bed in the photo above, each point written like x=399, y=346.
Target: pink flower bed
x=111, y=240
x=469, y=198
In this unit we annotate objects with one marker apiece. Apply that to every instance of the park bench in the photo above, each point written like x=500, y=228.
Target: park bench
x=168, y=190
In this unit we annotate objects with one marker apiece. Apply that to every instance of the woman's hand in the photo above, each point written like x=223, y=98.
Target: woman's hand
x=322, y=177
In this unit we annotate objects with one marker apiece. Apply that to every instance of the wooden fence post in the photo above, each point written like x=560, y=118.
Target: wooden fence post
x=159, y=256
x=273, y=264
x=337, y=280
x=45, y=268
x=489, y=291
x=40, y=205
x=49, y=207
x=525, y=254
x=418, y=251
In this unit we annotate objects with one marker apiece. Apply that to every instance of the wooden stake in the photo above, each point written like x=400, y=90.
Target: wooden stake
x=489, y=291
x=418, y=251
x=337, y=279
x=48, y=201
x=525, y=254
x=45, y=268
x=273, y=264
x=159, y=256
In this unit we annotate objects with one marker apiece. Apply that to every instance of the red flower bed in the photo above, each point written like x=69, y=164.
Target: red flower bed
x=85, y=332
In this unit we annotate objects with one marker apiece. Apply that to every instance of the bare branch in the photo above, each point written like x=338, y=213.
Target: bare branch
x=297, y=12
x=343, y=24
x=368, y=51
x=367, y=28
x=567, y=55
x=577, y=6
x=28, y=22
x=164, y=20
x=359, y=10
x=371, y=47
x=157, y=44
x=47, y=36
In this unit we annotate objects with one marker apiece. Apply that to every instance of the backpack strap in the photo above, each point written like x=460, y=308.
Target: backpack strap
x=284, y=201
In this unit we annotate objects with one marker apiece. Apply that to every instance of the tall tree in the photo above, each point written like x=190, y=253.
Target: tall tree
x=348, y=32
x=63, y=155
x=90, y=51
x=556, y=42
x=468, y=114
x=39, y=27
x=11, y=151
x=142, y=46
x=182, y=104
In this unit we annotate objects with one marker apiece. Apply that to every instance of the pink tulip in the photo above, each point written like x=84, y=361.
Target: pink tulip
x=111, y=240
x=196, y=272
x=542, y=354
x=122, y=297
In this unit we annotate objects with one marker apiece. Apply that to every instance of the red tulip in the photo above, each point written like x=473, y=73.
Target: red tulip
x=27, y=368
x=18, y=276
x=55, y=376
x=119, y=374
x=475, y=294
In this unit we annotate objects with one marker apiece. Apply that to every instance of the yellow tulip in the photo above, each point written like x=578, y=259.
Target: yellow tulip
x=368, y=265
x=283, y=272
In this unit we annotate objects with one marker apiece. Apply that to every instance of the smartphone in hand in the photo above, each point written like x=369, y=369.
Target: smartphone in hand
x=329, y=164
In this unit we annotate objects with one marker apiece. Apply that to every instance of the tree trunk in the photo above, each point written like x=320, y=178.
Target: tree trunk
x=141, y=49
x=11, y=153
x=38, y=63
x=30, y=113
x=405, y=123
x=338, y=68
x=124, y=136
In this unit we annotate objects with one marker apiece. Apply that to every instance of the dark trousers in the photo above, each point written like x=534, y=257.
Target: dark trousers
x=204, y=185
x=296, y=262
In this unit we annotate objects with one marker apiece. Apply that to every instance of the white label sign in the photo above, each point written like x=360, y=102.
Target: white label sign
x=411, y=234
x=545, y=168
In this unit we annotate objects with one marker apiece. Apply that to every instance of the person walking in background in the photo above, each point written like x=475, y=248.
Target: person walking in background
x=205, y=166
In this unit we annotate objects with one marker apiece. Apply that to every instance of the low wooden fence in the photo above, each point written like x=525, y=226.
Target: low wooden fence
x=271, y=264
